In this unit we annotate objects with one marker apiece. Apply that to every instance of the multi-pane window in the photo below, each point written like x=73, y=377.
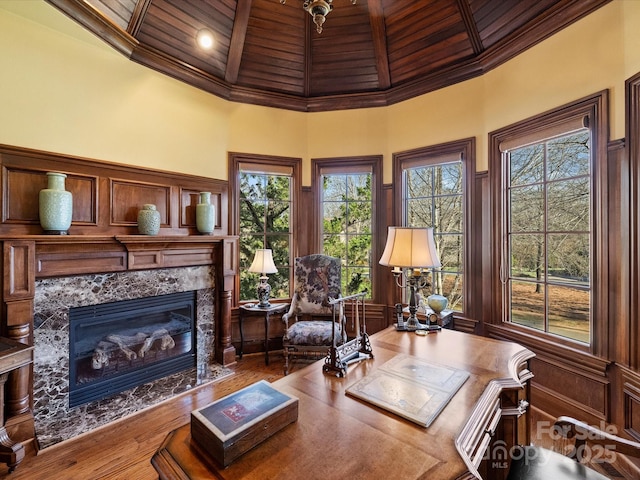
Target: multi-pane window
x=347, y=218
x=347, y=190
x=547, y=281
x=265, y=206
x=433, y=197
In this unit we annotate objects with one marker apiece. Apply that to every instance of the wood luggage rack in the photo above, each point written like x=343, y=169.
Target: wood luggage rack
x=354, y=350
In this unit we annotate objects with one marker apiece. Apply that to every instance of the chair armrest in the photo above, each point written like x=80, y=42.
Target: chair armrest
x=291, y=313
x=569, y=427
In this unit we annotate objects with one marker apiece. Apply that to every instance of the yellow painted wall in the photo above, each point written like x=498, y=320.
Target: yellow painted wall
x=268, y=131
x=583, y=59
x=69, y=96
x=63, y=90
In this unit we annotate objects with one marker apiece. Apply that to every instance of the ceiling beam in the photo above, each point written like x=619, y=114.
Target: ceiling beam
x=135, y=22
x=238, y=36
x=308, y=61
x=470, y=26
x=379, y=34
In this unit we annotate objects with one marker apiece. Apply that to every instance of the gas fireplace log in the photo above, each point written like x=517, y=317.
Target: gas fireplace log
x=102, y=352
x=166, y=341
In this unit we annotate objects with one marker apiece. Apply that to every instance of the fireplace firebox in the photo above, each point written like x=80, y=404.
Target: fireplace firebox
x=117, y=346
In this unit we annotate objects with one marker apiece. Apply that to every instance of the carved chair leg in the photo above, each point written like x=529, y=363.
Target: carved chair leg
x=286, y=360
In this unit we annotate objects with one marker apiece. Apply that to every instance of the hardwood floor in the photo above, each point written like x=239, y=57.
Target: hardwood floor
x=123, y=450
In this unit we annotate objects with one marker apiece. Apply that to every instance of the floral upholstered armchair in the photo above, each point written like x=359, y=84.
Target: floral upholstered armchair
x=312, y=324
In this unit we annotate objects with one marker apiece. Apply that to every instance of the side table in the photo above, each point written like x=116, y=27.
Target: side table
x=254, y=310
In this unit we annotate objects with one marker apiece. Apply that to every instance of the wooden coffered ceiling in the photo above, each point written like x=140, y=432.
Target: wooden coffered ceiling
x=373, y=53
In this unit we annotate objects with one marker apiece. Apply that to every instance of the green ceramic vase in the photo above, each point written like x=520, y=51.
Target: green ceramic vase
x=148, y=220
x=55, y=205
x=205, y=214
x=437, y=302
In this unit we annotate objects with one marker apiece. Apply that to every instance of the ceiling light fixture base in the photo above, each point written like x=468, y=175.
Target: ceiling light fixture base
x=318, y=9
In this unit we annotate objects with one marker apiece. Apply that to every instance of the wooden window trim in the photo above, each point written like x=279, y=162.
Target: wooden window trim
x=348, y=165
x=465, y=150
x=595, y=108
x=268, y=164
x=633, y=138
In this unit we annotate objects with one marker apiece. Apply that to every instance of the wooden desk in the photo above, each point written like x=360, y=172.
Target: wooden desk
x=13, y=355
x=337, y=436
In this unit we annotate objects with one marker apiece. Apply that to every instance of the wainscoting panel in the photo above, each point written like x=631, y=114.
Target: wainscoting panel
x=106, y=196
x=127, y=198
x=572, y=386
x=630, y=383
x=189, y=199
x=24, y=208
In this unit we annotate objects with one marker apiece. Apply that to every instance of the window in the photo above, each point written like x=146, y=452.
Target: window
x=433, y=193
x=550, y=241
x=548, y=245
x=266, y=194
x=433, y=198
x=347, y=209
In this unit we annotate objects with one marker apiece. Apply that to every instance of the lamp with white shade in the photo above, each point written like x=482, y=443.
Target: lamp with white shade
x=410, y=251
x=263, y=264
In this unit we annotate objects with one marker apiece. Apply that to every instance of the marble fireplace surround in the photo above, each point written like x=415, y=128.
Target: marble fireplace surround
x=207, y=263
x=54, y=420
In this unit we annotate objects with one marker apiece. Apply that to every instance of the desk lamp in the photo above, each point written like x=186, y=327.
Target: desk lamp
x=263, y=264
x=409, y=251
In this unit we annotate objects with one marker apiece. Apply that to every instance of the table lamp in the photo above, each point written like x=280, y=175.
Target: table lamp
x=263, y=264
x=409, y=251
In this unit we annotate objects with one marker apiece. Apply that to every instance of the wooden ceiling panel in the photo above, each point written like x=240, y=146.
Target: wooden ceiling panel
x=274, y=51
x=118, y=11
x=432, y=37
x=373, y=53
x=496, y=20
x=343, y=57
x=172, y=29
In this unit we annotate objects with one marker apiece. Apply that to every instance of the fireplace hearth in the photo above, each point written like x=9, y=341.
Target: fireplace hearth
x=119, y=345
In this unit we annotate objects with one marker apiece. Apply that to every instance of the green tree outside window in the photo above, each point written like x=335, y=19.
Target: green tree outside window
x=265, y=222
x=347, y=208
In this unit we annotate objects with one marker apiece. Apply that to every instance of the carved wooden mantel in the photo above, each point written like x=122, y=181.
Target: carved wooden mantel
x=26, y=258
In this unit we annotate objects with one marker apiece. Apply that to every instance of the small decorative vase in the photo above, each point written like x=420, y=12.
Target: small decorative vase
x=149, y=220
x=205, y=214
x=55, y=205
x=437, y=303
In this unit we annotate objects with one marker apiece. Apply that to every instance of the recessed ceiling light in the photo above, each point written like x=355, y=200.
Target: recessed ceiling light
x=204, y=38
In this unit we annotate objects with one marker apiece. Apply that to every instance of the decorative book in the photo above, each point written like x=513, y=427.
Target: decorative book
x=232, y=425
x=414, y=389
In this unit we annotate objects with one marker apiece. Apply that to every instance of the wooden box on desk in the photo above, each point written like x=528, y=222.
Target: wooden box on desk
x=232, y=425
